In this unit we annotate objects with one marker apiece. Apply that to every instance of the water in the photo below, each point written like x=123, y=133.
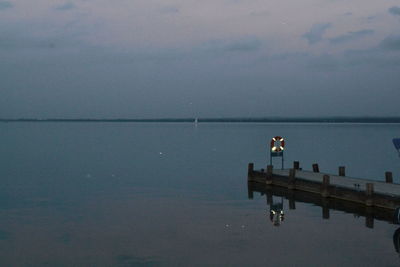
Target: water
x=131, y=194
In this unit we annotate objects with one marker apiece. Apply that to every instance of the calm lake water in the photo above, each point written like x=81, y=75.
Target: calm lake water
x=148, y=194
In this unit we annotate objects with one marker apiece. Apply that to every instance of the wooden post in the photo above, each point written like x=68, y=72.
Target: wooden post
x=296, y=165
x=342, y=171
x=325, y=208
x=389, y=177
x=325, y=186
x=325, y=213
x=369, y=222
x=250, y=170
x=369, y=217
x=250, y=192
x=269, y=198
x=292, y=203
x=292, y=179
x=268, y=179
x=369, y=192
x=315, y=167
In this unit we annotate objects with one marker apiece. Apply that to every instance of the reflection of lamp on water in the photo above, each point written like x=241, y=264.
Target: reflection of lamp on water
x=276, y=214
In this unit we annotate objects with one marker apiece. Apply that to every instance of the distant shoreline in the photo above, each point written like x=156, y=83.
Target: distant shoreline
x=233, y=120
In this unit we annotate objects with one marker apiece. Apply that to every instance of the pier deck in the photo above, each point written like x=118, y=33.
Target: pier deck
x=345, y=182
x=363, y=191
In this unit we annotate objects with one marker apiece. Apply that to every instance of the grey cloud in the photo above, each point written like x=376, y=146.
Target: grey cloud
x=205, y=51
x=368, y=58
x=66, y=6
x=316, y=32
x=383, y=56
x=234, y=1
x=19, y=42
x=370, y=18
x=394, y=10
x=259, y=13
x=211, y=50
x=244, y=45
x=241, y=45
x=374, y=56
x=169, y=10
x=391, y=43
x=351, y=36
x=15, y=38
x=5, y=5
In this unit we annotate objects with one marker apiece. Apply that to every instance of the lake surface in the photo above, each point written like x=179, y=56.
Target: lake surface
x=175, y=194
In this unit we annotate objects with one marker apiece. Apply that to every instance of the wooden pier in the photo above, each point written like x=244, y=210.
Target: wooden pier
x=385, y=195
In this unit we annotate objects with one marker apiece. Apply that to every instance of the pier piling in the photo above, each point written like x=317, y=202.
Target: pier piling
x=268, y=179
x=292, y=202
x=369, y=217
x=325, y=186
x=389, y=177
x=296, y=165
x=250, y=171
x=325, y=209
x=342, y=171
x=369, y=191
x=315, y=167
x=292, y=179
x=269, y=198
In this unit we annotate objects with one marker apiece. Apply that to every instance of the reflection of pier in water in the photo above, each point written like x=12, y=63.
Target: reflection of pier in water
x=293, y=196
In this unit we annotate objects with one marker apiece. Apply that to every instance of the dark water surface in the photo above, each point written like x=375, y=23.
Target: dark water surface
x=132, y=194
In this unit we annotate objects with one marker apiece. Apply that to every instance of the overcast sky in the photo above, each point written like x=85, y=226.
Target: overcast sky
x=202, y=58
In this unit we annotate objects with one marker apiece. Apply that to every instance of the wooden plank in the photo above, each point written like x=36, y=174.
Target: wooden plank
x=363, y=191
x=347, y=182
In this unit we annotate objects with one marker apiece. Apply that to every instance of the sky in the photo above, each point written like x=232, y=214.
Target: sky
x=192, y=58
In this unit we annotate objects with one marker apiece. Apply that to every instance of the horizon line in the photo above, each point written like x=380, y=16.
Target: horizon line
x=327, y=119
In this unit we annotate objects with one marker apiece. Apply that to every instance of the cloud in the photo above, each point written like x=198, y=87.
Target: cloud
x=17, y=42
x=5, y=5
x=169, y=10
x=260, y=13
x=391, y=43
x=384, y=55
x=351, y=36
x=368, y=58
x=248, y=44
x=395, y=10
x=316, y=32
x=15, y=38
x=370, y=19
x=244, y=45
x=66, y=6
